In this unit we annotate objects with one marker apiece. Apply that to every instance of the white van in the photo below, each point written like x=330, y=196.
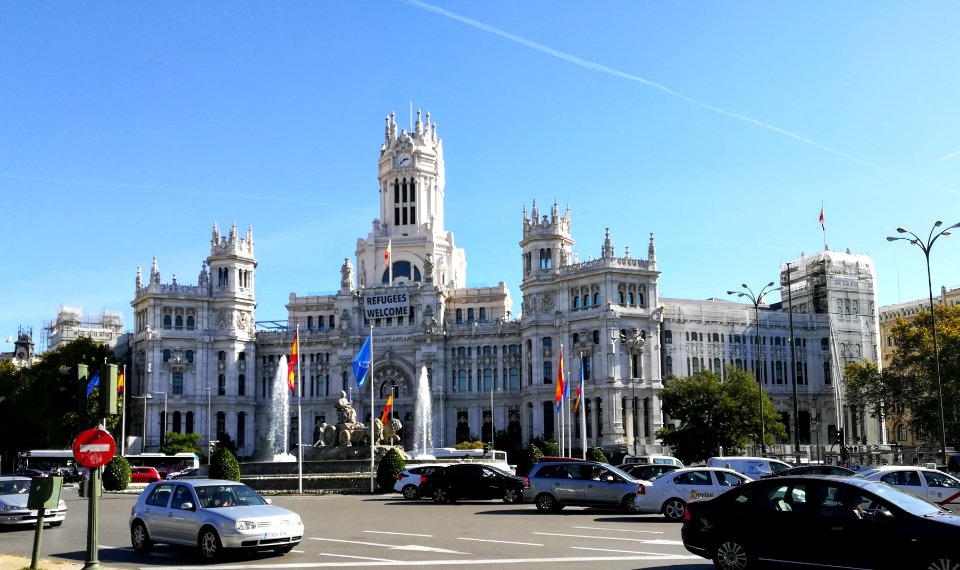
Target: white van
x=752, y=467
x=655, y=459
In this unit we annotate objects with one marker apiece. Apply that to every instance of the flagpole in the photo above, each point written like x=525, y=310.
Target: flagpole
x=389, y=267
x=823, y=226
x=296, y=337
x=560, y=410
x=123, y=413
x=493, y=425
x=372, y=420
x=583, y=411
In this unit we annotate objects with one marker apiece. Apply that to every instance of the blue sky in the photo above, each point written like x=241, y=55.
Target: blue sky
x=129, y=128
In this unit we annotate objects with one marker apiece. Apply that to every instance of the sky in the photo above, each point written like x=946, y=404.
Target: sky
x=127, y=129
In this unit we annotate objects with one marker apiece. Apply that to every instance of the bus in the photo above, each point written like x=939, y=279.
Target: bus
x=48, y=459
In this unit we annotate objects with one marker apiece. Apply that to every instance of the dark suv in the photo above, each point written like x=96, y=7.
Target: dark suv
x=552, y=485
x=471, y=481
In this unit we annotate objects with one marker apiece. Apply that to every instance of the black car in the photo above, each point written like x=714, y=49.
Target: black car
x=30, y=473
x=817, y=521
x=647, y=471
x=811, y=470
x=471, y=481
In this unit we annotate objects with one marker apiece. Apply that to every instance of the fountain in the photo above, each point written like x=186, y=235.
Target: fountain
x=279, y=433
x=423, y=416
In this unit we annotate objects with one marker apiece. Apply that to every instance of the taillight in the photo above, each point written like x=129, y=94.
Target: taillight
x=687, y=517
x=423, y=478
x=641, y=490
x=399, y=476
x=526, y=482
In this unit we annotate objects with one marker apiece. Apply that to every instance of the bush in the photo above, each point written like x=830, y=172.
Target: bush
x=549, y=447
x=116, y=474
x=596, y=454
x=390, y=465
x=469, y=445
x=224, y=465
x=528, y=460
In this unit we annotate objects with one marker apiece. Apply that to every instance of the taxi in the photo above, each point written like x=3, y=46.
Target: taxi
x=670, y=493
x=929, y=484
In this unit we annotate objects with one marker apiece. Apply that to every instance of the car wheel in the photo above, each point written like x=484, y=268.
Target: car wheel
x=441, y=495
x=673, y=509
x=512, y=496
x=732, y=555
x=629, y=504
x=546, y=502
x=209, y=543
x=140, y=538
x=411, y=492
x=283, y=549
x=944, y=564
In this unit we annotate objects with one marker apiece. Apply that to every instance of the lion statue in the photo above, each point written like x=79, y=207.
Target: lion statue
x=360, y=434
x=390, y=436
x=327, y=435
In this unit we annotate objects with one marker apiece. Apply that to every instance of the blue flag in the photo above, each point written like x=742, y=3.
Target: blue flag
x=94, y=382
x=361, y=362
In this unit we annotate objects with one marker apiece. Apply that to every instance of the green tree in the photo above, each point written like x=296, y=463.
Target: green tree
x=906, y=391
x=715, y=414
x=180, y=443
x=224, y=465
x=224, y=440
x=596, y=454
x=390, y=465
x=116, y=474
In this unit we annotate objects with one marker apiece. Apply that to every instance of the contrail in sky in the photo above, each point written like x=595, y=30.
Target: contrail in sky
x=941, y=159
x=623, y=75
x=278, y=198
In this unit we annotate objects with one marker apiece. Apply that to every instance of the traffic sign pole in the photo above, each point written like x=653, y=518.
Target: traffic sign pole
x=93, y=448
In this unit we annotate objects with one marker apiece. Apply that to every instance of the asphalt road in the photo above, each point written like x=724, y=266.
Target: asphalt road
x=374, y=531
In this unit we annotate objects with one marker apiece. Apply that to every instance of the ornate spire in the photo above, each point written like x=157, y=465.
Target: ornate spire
x=155, y=272
x=651, y=251
x=139, y=279
x=607, y=246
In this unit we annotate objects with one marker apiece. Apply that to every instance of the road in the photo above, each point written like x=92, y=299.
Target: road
x=373, y=531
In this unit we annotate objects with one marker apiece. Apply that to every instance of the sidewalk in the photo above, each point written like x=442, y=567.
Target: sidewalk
x=11, y=562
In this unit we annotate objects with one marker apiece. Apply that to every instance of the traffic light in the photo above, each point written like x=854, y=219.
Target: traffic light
x=108, y=389
x=832, y=435
x=82, y=378
x=840, y=439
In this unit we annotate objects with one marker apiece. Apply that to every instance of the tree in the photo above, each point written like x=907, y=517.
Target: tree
x=224, y=465
x=390, y=465
x=116, y=474
x=180, y=443
x=596, y=454
x=906, y=391
x=715, y=414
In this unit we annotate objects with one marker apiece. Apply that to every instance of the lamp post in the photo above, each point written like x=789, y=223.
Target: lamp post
x=634, y=340
x=756, y=299
x=209, y=439
x=143, y=441
x=163, y=428
x=925, y=247
x=816, y=406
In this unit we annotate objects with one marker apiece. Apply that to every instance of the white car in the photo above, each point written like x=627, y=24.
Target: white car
x=929, y=484
x=14, y=492
x=670, y=493
x=408, y=480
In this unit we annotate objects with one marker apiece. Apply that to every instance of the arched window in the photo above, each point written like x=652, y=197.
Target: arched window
x=619, y=297
x=596, y=299
x=546, y=259
x=630, y=298
x=167, y=321
x=403, y=271
x=586, y=301
x=576, y=302
x=191, y=323
x=178, y=322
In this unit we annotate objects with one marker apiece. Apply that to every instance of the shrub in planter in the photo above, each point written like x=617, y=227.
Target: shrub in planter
x=224, y=465
x=391, y=464
x=116, y=474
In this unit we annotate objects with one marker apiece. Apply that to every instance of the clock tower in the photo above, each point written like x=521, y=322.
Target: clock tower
x=411, y=189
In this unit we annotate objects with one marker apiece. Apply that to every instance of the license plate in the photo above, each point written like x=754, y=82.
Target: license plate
x=274, y=534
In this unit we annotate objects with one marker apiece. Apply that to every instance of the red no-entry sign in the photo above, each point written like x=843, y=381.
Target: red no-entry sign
x=94, y=448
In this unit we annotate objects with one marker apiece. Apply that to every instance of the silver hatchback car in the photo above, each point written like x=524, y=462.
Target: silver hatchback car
x=212, y=515
x=554, y=484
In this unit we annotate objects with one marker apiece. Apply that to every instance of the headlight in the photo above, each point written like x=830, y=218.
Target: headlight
x=246, y=525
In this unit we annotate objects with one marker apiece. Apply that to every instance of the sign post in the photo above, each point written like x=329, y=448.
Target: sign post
x=93, y=448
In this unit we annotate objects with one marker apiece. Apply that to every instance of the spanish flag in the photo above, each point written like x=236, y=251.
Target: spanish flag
x=561, y=382
x=120, y=383
x=576, y=403
x=386, y=411
x=291, y=377
x=386, y=256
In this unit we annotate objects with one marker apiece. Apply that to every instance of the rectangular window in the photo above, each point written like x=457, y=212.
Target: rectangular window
x=221, y=384
x=177, y=384
x=242, y=385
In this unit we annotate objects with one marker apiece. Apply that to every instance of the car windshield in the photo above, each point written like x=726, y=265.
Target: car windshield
x=864, y=473
x=14, y=487
x=217, y=496
x=498, y=470
x=623, y=474
x=905, y=500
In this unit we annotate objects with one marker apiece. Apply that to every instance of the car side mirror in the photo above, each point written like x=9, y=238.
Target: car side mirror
x=269, y=501
x=609, y=479
x=188, y=506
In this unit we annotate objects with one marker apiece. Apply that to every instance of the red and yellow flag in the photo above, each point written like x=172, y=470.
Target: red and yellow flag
x=120, y=383
x=386, y=410
x=291, y=377
x=386, y=256
x=561, y=382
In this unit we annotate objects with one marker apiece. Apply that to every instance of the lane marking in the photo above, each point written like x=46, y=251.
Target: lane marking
x=626, y=551
x=617, y=529
x=529, y=561
x=499, y=541
x=357, y=557
x=416, y=547
x=399, y=533
x=643, y=540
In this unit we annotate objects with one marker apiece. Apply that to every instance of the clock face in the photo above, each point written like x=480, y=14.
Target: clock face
x=404, y=161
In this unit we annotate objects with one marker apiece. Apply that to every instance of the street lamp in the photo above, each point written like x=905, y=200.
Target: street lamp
x=163, y=429
x=143, y=441
x=209, y=439
x=756, y=300
x=634, y=340
x=816, y=406
x=925, y=247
